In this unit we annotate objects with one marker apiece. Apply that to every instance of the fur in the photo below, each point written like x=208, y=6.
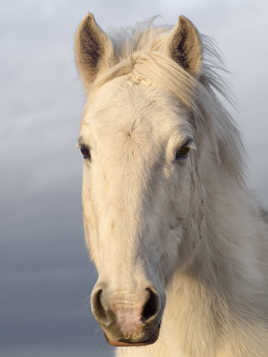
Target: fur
x=215, y=270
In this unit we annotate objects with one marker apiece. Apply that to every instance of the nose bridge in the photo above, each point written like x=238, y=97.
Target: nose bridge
x=120, y=250
x=121, y=223
x=118, y=237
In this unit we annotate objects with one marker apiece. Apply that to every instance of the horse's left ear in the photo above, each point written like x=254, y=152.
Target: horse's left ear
x=185, y=47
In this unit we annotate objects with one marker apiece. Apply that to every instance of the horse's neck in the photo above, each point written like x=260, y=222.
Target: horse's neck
x=199, y=322
x=190, y=317
x=216, y=295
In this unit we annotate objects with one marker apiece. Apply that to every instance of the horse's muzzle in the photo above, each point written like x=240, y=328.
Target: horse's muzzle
x=128, y=319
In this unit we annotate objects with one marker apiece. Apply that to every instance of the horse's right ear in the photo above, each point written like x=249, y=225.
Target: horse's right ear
x=93, y=50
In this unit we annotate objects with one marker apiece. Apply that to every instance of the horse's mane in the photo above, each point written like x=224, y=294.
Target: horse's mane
x=137, y=52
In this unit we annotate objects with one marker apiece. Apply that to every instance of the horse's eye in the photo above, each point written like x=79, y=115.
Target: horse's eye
x=85, y=152
x=183, y=151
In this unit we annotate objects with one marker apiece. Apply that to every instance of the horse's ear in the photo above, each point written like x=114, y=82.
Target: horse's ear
x=185, y=47
x=93, y=49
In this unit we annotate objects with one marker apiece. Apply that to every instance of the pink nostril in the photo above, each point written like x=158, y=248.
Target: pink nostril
x=132, y=320
x=129, y=321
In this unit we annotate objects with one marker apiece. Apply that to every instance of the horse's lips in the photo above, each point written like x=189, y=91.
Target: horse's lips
x=125, y=343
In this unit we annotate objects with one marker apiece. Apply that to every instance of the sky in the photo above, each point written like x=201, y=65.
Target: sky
x=45, y=272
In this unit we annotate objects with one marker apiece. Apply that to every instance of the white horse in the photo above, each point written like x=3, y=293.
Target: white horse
x=179, y=244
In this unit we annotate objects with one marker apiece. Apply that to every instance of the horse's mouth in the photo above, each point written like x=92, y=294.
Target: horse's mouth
x=129, y=343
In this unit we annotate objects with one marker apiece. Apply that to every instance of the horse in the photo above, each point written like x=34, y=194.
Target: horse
x=177, y=237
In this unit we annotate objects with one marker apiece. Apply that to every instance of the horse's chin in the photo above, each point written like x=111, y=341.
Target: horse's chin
x=131, y=343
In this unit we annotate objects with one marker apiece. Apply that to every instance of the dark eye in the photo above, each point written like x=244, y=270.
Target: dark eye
x=183, y=151
x=85, y=152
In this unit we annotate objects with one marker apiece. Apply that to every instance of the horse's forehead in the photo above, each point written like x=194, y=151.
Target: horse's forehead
x=128, y=108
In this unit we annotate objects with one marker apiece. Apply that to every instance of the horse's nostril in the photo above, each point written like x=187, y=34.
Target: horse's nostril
x=151, y=306
x=99, y=310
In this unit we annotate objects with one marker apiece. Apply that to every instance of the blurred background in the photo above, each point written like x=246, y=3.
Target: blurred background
x=45, y=272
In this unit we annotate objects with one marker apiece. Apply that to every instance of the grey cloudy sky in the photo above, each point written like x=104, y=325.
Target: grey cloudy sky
x=45, y=274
